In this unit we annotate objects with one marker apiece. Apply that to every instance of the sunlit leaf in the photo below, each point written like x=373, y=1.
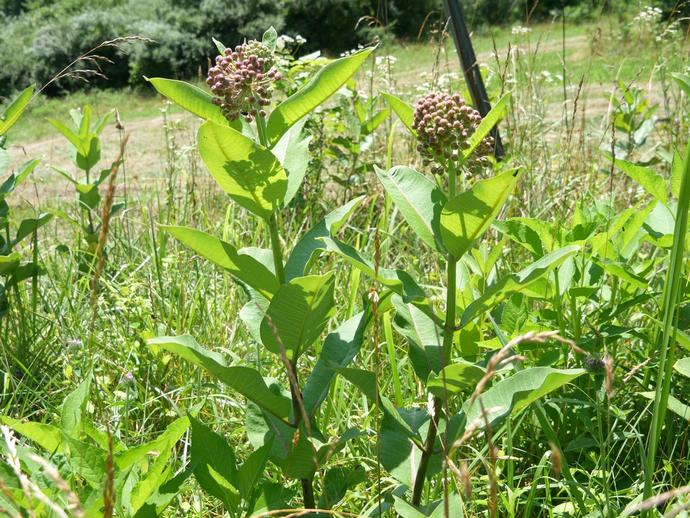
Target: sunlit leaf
x=242, y=266
x=418, y=199
x=14, y=111
x=497, y=112
x=325, y=83
x=244, y=380
x=517, y=392
x=251, y=175
x=193, y=99
x=467, y=216
x=404, y=111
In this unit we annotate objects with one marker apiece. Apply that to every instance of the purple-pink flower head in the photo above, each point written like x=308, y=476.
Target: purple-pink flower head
x=444, y=124
x=242, y=80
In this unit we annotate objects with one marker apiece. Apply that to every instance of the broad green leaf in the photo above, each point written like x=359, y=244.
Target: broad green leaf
x=214, y=462
x=336, y=483
x=163, y=495
x=292, y=150
x=682, y=366
x=515, y=393
x=325, y=83
x=12, y=113
x=193, y=99
x=301, y=462
x=16, y=179
x=366, y=382
x=423, y=335
x=404, y=111
x=683, y=81
x=272, y=497
x=73, y=408
x=154, y=476
x=86, y=460
x=400, y=455
x=339, y=349
x=297, y=314
x=80, y=145
x=8, y=263
x=516, y=282
x=173, y=433
x=499, y=110
x=30, y=225
x=397, y=280
x=461, y=376
x=47, y=436
x=435, y=509
x=374, y=122
x=660, y=225
x=650, y=181
x=250, y=174
x=250, y=472
x=674, y=405
x=89, y=196
x=535, y=235
x=418, y=199
x=242, y=266
x=619, y=270
x=467, y=216
x=303, y=252
x=244, y=380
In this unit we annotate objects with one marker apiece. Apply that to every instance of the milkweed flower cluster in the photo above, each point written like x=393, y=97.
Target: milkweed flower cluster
x=242, y=80
x=444, y=124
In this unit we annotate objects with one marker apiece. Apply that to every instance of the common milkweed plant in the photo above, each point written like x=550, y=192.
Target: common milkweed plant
x=258, y=156
x=449, y=212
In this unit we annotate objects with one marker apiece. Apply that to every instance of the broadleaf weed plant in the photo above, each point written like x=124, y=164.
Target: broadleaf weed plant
x=15, y=266
x=85, y=140
x=257, y=156
x=449, y=215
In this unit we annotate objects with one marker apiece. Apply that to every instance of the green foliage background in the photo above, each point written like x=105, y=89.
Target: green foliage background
x=40, y=37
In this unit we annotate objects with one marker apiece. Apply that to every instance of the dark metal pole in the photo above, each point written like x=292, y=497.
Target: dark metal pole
x=468, y=62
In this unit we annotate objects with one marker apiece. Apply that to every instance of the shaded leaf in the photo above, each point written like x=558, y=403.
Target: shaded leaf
x=244, y=380
x=298, y=313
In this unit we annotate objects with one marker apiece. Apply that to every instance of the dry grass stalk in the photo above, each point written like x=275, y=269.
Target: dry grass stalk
x=105, y=226
x=659, y=499
x=73, y=504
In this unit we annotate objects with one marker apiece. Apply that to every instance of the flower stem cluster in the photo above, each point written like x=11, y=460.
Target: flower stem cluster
x=242, y=80
x=444, y=124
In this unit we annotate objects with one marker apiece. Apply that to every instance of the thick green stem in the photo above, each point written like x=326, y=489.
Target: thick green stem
x=448, y=332
x=277, y=249
x=272, y=223
x=307, y=484
x=666, y=353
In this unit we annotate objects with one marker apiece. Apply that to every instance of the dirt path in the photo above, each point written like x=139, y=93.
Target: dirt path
x=146, y=156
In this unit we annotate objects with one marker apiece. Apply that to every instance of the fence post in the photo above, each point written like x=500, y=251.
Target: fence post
x=470, y=68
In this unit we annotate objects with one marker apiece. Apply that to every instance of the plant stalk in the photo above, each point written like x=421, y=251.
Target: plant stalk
x=666, y=349
x=448, y=332
x=307, y=484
